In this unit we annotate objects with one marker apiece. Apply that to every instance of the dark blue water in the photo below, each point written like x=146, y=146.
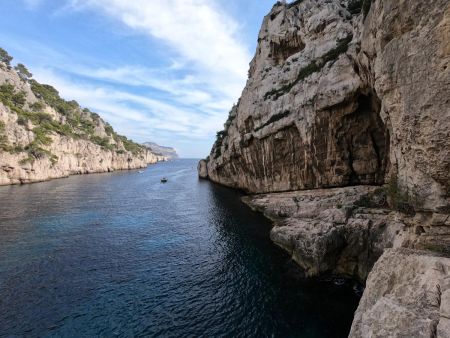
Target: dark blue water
x=123, y=255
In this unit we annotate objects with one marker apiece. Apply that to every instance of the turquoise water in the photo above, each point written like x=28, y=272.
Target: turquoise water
x=122, y=255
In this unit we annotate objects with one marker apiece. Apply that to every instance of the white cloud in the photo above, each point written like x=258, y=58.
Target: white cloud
x=189, y=98
x=32, y=4
x=203, y=41
x=134, y=114
x=198, y=30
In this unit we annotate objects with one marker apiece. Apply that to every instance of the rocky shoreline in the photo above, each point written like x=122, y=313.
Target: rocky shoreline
x=350, y=232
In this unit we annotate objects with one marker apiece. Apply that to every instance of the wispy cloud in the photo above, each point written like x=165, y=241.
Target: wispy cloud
x=202, y=75
x=197, y=29
x=32, y=4
x=131, y=112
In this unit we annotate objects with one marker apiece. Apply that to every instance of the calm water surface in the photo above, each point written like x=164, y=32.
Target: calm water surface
x=123, y=255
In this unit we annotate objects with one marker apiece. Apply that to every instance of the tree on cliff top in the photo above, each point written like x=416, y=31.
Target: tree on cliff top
x=23, y=72
x=5, y=57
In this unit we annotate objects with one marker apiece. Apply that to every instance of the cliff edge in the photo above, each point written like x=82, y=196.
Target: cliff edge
x=342, y=132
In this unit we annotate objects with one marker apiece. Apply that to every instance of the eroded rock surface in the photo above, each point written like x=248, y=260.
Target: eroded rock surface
x=337, y=97
x=407, y=295
x=345, y=230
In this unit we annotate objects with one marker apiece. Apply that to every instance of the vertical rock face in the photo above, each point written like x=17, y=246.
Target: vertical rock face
x=339, y=96
x=343, y=94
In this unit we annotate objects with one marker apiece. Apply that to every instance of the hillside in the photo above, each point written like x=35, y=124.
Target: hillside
x=43, y=136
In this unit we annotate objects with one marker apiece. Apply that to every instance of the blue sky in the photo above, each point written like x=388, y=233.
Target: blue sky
x=166, y=71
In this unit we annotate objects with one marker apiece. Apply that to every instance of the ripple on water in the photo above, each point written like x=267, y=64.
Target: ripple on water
x=123, y=255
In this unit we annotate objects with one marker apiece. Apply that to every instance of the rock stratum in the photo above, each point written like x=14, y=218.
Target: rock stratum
x=43, y=137
x=342, y=135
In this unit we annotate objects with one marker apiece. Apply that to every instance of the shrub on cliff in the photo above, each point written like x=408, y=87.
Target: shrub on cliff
x=10, y=98
x=102, y=142
x=399, y=198
x=3, y=138
x=5, y=57
x=23, y=72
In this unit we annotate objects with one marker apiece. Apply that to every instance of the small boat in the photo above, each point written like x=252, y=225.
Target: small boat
x=141, y=171
x=163, y=180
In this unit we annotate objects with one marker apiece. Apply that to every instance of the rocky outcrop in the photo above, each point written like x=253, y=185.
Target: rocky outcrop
x=407, y=295
x=345, y=230
x=343, y=130
x=202, y=169
x=338, y=97
x=168, y=152
x=43, y=137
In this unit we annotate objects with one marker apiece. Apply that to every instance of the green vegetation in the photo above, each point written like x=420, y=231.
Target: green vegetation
x=37, y=106
x=51, y=96
x=3, y=138
x=5, y=57
x=102, y=142
x=355, y=7
x=311, y=68
x=274, y=118
x=10, y=98
x=392, y=196
x=218, y=144
x=400, y=199
x=23, y=72
x=129, y=145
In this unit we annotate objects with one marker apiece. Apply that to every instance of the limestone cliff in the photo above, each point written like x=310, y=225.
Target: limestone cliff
x=343, y=133
x=168, y=152
x=341, y=95
x=43, y=136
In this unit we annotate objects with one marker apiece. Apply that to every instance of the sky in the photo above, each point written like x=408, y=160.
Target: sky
x=166, y=71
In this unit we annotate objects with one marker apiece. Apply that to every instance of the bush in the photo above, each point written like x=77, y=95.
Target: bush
x=109, y=129
x=10, y=98
x=37, y=106
x=399, y=199
x=5, y=57
x=102, y=141
x=41, y=136
x=3, y=138
x=23, y=72
x=130, y=146
x=51, y=96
